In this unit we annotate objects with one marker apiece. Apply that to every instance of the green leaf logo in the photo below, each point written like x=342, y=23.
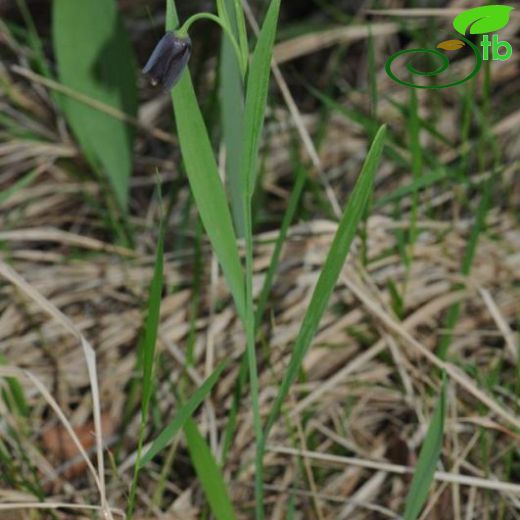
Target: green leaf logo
x=481, y=20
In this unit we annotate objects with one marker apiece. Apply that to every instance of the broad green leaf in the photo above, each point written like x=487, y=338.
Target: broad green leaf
x=481, y=20
x=331, y=270
x=204, y=179
x=95, y=58
x=209, y=474
x=186, y=411
x=427, y=463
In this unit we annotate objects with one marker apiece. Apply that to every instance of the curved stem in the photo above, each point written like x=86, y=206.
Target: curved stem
x=183, y=31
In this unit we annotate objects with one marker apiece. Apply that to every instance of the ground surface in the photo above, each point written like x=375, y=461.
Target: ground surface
x=368, y=387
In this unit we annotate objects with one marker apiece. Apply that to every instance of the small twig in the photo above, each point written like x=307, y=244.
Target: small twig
x=441, y=476
x=94, y=103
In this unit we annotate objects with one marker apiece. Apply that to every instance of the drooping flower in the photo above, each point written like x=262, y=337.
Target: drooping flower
x=168, y=60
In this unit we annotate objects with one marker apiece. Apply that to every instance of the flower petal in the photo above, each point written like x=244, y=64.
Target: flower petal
x=168, y=60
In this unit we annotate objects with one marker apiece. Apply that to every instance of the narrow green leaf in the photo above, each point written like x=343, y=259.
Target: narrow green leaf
x=262, y=300
x=241, y=28
x=256, y=99
x=427, y=125
x=367, y=122
x=223, y=12
x=479, y=225
x=412, y=187
x=231, y=13
x=17, y=186
x=209, y=474
x=147, y=356
x=95, y=58
x=372, y=74
x=152, y=323
x=17, y=393
x=256, y=95
x=301, y=177
x=414, y=131
x=231, y=425
x=34, y=40
x=165, y=437
x=232, y=103
x=331, y=270
x=427, y=463
x=357, y=116
x=204, y=179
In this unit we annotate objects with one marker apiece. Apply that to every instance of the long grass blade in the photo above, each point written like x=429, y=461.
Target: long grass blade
x=16, y=398
x=186, y=411
x=232, y=108
x=256, y=94
x=427, y=463
x=241, y=29
x=18, y=185
x=292, y=205
x=147, y=355
x=256, y=100
x=415, y=185
x=152, y=324
x=331, y=269
x=209, y=474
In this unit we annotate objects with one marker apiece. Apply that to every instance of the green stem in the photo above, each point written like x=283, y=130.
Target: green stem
x=183, y=32
x=252, y=362
x=133, y=488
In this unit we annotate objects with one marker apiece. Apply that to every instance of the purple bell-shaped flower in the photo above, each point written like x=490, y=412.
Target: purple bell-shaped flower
x=168, y=60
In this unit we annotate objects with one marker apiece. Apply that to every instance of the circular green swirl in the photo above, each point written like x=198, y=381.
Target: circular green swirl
x=444, y=64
